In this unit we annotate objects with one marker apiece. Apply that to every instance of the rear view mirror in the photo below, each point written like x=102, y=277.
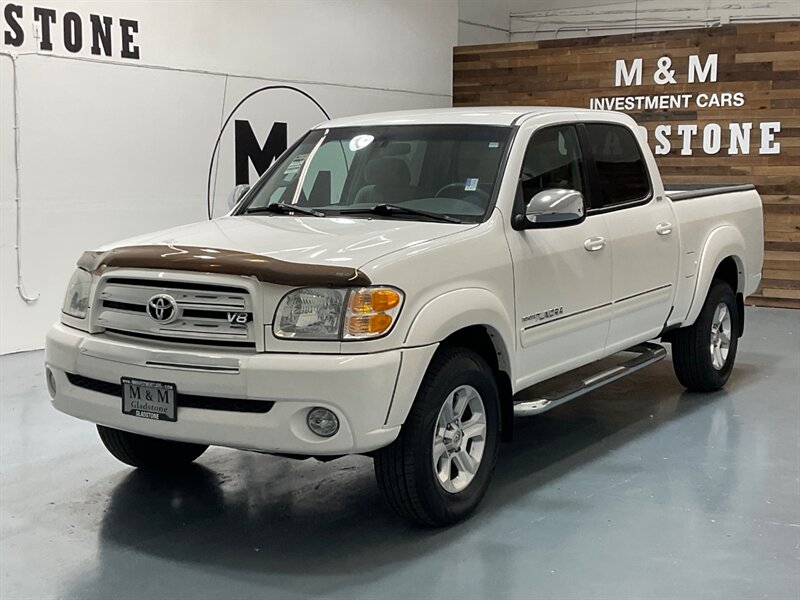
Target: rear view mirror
x=555, y=207
x=237, y=194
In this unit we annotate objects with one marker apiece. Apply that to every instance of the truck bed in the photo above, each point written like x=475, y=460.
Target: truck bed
x=678, y=192
x=730, y=210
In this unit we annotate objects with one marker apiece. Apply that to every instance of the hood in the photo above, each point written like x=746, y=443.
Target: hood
x=331, y=241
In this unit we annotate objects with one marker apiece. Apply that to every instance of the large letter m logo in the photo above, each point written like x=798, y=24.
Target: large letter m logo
x=248, y=150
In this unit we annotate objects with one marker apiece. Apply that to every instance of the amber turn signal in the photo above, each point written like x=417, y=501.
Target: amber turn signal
x=371, y=312
x=368, y=300
x=360, y=326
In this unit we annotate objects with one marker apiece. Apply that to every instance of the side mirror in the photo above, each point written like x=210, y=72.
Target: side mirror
x=556, y=207
x=237, y=194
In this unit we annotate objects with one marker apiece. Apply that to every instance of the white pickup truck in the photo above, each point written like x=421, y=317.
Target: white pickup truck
x=396, y=285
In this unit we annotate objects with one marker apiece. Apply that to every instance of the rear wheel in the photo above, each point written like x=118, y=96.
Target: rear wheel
x=147, y=452
x=438, y=469
x=703, y=354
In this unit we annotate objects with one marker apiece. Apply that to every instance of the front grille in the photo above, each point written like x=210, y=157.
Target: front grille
x=182, y=400
x=207, y=314
x=96, y=385
x=114, y=305
x=178, y=285
x=175, y=339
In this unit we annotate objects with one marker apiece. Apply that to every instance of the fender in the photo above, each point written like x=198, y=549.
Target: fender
x=457, y=310
x=721, y=243
x=439, y=318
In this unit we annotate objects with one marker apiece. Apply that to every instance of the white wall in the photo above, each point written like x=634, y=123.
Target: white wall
x=483, y=22
x=113, y=147
x=497, y=21
x=551, y=19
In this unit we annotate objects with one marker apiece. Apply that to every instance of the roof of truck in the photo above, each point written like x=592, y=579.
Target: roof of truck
x=476, y=115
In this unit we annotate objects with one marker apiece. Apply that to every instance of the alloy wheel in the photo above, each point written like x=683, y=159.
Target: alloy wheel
x=720, y=336
x=459, y=439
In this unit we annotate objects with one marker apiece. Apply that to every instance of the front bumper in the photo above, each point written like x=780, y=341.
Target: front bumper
x=360, y=389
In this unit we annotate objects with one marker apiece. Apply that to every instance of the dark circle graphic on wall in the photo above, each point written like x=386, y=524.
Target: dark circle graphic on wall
x=209, y=200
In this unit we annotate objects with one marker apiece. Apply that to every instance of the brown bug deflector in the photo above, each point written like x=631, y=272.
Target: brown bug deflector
x=215, y=260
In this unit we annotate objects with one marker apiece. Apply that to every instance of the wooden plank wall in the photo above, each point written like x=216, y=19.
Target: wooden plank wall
x=760, y=60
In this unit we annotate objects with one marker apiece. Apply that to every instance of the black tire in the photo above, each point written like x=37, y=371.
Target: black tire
x=691, y=346
x=148, y=453
x=404, y=469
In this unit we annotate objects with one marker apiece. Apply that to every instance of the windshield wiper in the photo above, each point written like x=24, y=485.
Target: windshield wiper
x=281, y=208
x=389, y=210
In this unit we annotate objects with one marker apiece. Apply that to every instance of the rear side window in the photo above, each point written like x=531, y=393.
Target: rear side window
x=621, y=171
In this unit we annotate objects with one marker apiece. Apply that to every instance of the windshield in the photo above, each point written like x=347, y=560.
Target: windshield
x=444, y=170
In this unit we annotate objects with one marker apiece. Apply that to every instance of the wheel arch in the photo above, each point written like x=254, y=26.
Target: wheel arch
x=731, y=271
x=472, y=318
x=486, y=342
x=459, y=313
x=721, y=258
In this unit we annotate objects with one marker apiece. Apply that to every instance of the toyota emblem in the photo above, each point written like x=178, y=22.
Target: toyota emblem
x=162, y=308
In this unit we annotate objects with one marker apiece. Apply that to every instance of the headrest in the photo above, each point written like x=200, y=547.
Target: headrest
x=547, y=157
x=387, y=171
x=476, y=166
x=396, y=149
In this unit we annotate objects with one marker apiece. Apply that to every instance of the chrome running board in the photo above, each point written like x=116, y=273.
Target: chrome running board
x=648, y=353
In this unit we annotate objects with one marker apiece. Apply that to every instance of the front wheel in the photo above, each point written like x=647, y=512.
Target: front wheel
x=148, y=453
x=438, y=469
x=703, y=354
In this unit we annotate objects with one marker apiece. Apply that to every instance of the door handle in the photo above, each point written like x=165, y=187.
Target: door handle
x=664, y=228
x=593, y=244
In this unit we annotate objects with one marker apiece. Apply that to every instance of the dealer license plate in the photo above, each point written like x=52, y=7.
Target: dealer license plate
x=149, y=399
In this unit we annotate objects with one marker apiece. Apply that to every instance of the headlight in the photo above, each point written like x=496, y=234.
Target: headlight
x=337, y=314
x=76, y=302
x=310, y=314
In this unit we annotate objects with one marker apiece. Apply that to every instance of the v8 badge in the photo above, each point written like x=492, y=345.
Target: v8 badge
x=238, y=318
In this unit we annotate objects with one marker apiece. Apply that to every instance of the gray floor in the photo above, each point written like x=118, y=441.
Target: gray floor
x=637, y=491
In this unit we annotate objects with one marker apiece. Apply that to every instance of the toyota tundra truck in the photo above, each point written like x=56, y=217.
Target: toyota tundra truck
x=400, y=285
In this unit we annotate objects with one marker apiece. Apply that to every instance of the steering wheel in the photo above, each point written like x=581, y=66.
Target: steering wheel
x=481, y=195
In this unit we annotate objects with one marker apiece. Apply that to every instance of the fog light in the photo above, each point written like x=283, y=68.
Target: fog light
x=322, y=422
x=51, y=383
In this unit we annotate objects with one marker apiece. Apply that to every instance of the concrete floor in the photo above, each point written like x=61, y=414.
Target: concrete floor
x=637, y=491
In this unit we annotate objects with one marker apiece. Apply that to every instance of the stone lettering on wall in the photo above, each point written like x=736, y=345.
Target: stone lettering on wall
x=51, y=30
